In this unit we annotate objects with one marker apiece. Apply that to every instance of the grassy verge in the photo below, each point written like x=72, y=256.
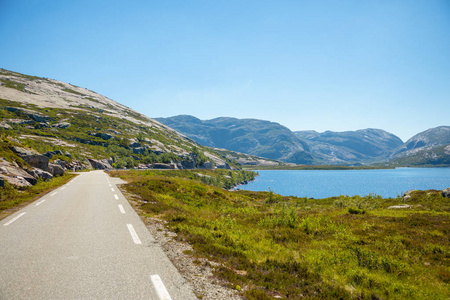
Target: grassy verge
x=297, y=248
x=11, y=197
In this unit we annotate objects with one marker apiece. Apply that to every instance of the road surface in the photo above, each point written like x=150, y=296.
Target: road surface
x=84, y=241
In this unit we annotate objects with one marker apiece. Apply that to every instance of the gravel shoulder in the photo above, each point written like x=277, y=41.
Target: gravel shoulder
x=197, y=271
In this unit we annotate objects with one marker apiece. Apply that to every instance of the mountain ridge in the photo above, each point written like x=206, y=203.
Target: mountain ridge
x=359, y=147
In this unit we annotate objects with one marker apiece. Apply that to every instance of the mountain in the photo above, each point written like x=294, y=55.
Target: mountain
x=430, y=147
x=48, y=126
x=351, y=147
x=272, y=140
x=255, y=137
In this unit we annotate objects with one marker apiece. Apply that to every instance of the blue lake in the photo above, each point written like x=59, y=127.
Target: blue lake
x=328, y=183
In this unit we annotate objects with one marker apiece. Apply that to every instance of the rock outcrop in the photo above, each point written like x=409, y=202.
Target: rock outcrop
x=446, y=193
x=15, y=175
x=101, y=164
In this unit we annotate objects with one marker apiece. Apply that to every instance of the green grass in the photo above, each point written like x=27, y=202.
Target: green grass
x=297, y=248
x=13, y=84
x=11, y=196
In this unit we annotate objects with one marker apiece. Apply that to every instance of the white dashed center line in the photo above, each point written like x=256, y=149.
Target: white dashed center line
x=51, y=195
x=134, y=235
x=161, y=290
x=15, y=218
x=112, y=189
x=40, y=202
x=116, y=197
x=121, y=208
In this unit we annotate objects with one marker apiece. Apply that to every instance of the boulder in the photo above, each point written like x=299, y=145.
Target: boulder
x=67, y=154
x=55, y=169
x=58, y=152
x=22, y=151
x=133, y=143
x=38, y=173
x=37, y=161
x=15, y=175
x=17, y=180
x=407, y=195
x=48, y=154
x=101, y=164
x=224, y=165
x=446, y=193
x=62, y=125
x=401, y=206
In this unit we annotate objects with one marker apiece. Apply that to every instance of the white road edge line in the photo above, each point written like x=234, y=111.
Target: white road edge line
x=62, y=188
x=163, y=294
x=134, y=235
x=116, y=197
x=12, y=220
x=40, y=202
x=53, y=194
x=121, y=208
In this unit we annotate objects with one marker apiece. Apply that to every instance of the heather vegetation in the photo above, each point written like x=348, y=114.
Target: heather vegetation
x=268, y=245
x=11, y=196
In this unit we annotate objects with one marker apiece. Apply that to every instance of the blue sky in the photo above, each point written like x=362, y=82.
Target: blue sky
x=309, y=65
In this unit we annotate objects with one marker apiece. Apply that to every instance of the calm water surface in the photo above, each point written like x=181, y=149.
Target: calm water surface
x=328, y=183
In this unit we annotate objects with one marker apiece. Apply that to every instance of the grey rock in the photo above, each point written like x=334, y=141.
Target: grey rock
x=62, y=125
x=22, y=151
x=15, y=175
x=446, y=193
x=407, y=195
x=223, y=166
x=401, y=206
x=38, y=173
x=5, y=126
x=58, y=152
x=55, y=169
x=48, y=154
x=67, y=154
x=133, y=143
x=37, y=161
x=101, y=164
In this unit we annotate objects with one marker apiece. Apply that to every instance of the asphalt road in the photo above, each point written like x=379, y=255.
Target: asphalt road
x=84, y=241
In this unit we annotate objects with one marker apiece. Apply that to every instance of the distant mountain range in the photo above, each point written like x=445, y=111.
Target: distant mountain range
x=272, y=140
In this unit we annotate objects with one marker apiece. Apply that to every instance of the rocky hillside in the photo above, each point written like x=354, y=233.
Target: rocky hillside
x=351, y=147
x=431, y=147
x=255, y=137
x=48, y=126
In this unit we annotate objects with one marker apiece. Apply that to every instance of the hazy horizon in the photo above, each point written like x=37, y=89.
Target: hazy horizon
x=321, y=65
